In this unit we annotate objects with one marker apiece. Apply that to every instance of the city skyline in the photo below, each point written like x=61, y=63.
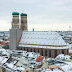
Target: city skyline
x=42, y=15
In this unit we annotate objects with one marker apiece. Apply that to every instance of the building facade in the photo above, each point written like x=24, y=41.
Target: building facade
x=46, y=52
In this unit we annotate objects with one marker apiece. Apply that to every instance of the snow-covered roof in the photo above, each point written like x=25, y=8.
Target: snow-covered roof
x=4, y=60
x=42, y=40
x=3, y=51
x=68, y=67
x=70, y=51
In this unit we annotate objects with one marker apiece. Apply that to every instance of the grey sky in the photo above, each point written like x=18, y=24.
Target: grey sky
x=42, y=14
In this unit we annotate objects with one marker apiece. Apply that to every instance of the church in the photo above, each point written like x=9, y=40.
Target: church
x=47, y=43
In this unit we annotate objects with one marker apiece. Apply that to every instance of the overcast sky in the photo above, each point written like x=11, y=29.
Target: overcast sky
x=42, y=14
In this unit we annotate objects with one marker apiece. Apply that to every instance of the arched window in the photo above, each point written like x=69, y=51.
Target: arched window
x=62, y=51
x=24, y=49
x=45, y=52
x=38, y=50
x=31, y=49
x=55, y=53
x=49, y=53
x=27, y=49
x=42, y=52
x=34, y=49
x=67, y=52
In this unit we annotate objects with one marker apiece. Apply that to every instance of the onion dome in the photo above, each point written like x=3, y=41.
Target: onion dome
x=15, y=13
x=23, y=14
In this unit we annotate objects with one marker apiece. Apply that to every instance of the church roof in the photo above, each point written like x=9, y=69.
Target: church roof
x=41, y=39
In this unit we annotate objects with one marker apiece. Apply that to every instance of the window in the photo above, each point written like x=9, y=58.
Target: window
x=55, y=53
x=27, y=49
x=49, y=53
x=42, y=52
x=67, y=51
x=38, y=50
x=45, y=52
x=34, y=49
x=62, y=51
x=24, y=49
x=31, y=49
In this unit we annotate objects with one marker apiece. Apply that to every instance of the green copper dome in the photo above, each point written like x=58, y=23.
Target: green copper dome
x=15, y=13
x=23, y=14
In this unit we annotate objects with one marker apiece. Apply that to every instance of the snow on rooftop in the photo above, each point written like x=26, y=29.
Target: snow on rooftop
x=4, y=51
x=68, y=67
x=70, y=51
x=21, y=68
x=1, y=58
x=10, y=65
x=62, y=56
x=31, y=54
x=67, y=57
x=3, y=61
x=42, y=40
x=54, y=70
